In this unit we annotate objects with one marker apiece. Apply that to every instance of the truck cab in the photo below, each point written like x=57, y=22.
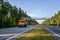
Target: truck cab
x=22, y=23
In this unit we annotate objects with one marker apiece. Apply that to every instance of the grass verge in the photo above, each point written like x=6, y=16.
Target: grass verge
x=38, y=33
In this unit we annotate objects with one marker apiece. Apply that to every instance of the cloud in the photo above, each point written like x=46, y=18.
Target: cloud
x=35, y=13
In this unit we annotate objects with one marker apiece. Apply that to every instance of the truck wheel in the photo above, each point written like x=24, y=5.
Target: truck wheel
x=18, y=25
x=25, y=25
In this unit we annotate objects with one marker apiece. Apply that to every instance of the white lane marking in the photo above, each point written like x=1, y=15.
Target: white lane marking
x=55, y=34
x=20, y=33
x=7, y=34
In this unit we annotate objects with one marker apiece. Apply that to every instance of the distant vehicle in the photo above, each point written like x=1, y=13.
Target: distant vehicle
x=33, y=23
x=22, y=23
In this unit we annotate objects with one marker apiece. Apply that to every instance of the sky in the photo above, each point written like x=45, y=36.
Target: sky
x=38, y=8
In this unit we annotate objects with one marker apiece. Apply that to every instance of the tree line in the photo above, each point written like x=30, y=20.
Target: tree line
x=9, y=15
x=54, y=20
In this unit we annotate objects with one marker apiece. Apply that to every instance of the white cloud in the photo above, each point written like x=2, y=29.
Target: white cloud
x=35, y=13
x=32, y=14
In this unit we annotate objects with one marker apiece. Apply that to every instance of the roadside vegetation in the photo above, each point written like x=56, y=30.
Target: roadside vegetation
x=54, y=20
x=38, y=33
x=9, y=15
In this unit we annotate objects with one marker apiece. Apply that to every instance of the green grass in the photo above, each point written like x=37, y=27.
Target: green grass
x=38, y=33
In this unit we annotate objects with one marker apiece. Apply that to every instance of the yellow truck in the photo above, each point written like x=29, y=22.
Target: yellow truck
x=22, y=23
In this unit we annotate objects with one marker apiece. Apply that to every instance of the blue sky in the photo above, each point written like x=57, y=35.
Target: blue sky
x=38, y=8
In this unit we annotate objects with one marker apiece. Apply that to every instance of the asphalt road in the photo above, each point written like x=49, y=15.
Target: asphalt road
x=10, y=32
x=55, y=30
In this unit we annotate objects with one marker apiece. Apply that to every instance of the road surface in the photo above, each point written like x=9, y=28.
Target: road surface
x=10, y=32
x=55, y=30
